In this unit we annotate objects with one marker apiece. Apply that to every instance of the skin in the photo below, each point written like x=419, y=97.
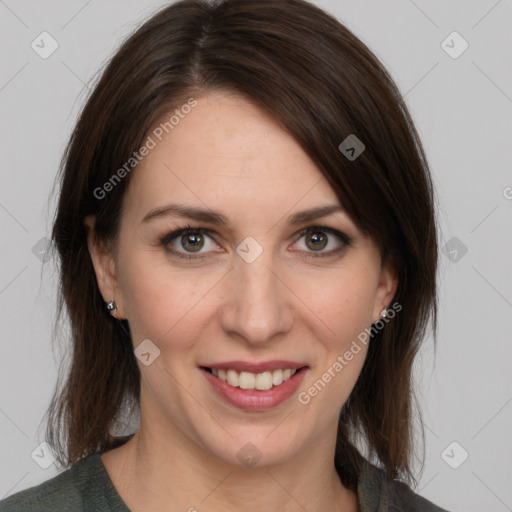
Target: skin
x=230, y=156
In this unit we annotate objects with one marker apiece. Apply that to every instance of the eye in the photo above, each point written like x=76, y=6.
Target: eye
x=192, y=240
x=317, y=238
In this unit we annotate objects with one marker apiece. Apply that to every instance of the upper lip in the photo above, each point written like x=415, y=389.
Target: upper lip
x=246, y=366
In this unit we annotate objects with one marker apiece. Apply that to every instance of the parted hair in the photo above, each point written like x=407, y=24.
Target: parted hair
x=322, y=84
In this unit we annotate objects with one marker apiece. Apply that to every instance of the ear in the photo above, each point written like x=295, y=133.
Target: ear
x=104, y=268
x=386, y=289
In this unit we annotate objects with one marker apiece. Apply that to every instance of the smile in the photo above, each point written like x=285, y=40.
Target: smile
x=254, y=392
x=247, y=380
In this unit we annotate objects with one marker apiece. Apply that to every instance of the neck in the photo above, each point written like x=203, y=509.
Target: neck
x=158, y=470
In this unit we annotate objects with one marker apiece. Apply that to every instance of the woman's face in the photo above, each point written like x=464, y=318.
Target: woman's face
x=252, y=289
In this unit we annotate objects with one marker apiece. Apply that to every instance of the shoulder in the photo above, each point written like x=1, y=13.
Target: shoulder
x=49, y=495
x=83, y=487
x=377, y=493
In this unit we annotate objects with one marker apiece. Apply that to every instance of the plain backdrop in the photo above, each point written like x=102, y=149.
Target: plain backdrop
x=459, y=90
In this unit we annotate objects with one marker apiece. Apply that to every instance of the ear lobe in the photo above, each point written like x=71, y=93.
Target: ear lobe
x=103, y=263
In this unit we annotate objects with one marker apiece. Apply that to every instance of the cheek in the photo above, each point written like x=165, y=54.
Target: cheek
x=342, y=303
x=343, y=310
x=160, y=300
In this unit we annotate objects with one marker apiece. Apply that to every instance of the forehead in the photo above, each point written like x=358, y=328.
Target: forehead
x=228, y=154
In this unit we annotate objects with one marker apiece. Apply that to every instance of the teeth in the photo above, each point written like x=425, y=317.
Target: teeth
x=260, y=381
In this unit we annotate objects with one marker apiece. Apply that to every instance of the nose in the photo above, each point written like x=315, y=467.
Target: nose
x=258, y=304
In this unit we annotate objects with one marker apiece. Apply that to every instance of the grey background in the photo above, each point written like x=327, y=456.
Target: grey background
x=462, y=108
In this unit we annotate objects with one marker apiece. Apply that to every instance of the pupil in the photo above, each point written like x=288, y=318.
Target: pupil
x=315, y=238
x=194, y=239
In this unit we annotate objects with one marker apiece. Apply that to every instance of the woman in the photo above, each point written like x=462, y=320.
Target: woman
x=247, y=238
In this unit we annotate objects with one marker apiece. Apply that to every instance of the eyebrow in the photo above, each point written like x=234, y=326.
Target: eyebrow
x=217, y=218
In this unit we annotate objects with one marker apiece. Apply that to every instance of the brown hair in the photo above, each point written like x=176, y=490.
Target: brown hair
x=321, y=83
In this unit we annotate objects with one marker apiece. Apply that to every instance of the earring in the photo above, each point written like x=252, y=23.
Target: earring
x=111, y=306
x=384, y=313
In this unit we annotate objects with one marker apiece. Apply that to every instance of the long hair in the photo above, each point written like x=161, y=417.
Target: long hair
x=322, y=84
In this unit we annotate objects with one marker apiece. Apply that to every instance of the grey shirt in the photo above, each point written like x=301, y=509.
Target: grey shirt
x=86, y=487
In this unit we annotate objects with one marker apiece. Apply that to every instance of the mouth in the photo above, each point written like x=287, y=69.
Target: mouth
x=254, y=392
x=252, y=381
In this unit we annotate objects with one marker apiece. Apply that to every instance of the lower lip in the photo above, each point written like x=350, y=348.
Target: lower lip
x=254, y=400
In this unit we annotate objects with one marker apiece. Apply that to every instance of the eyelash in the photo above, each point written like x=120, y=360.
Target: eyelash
x=166, y=239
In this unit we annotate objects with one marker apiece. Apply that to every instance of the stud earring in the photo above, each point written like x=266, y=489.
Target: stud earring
x=384, y=313
x=111, y=306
